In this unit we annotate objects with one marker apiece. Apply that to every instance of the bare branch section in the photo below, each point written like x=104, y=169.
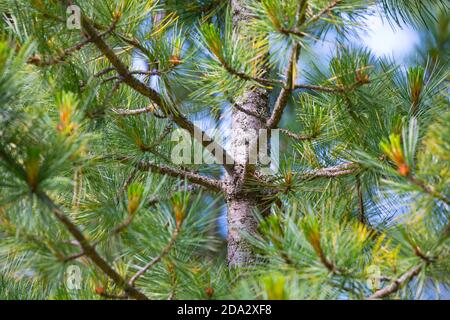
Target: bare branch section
x=330, y=172
x=325, y=10
x=397, y=284
x=336, y=89
x=193, y=177
x=296, y=136
x=173, y=113
x=285, y=92
x=132, y=112
x=89, y=250
x=288, y=85
x=290, y=74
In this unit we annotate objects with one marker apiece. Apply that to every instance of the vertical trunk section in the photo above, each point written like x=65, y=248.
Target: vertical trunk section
x=240, y=221
x=241, y=201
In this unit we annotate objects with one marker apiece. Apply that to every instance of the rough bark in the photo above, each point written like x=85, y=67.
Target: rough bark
x=242, y=202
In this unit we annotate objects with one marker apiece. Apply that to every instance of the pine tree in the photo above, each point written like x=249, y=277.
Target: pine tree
x=93, y=203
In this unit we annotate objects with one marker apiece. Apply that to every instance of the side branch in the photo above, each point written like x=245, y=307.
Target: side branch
x=128, y=78
x=285, y=92
x=89, y=250
x=246, y=77
x=120, y=67
x=428, y=189
x=290, y=74
x=336, y=89
x=330, y=172
x=36, y=60
x=193, y=177
x=296, y=136
x=322, y=12
x=396, y=284
x=131, y=112
x=158, y=258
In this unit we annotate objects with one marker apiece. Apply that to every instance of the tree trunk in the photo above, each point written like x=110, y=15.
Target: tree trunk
x=242, y=202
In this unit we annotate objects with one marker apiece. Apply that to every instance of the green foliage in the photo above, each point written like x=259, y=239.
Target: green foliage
x=412, y=12
x=231, y=66
x=331, y=234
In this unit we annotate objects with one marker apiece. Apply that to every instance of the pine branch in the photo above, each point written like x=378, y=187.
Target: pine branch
x=131, y=112
x=89, y=250
x=103, y=72
x=299, y=137
x=322, y=12
x=135, y=43
x=158, y=258
x=36, y=60
x=120, y=67
x=292, y=31
x=128, y=78
x=289, y=75
x=330, y=172
x=150, y=72
x=286, y=90
x=336, y=89
x=193, y=177
x=74, y=256
x=245, y=76
x=112, y=296
x=397, y=284
x=427, y=189
x=124, y=224
x=118, y=78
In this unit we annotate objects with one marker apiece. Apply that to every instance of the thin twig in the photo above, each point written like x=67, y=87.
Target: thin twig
x=299, y=137
x=337, y=89
x=193, y=177
x=330, y=172
x=131, y=112
x=285, y=92
x=74, y=256
x=158, y=258
x=361, y=216
x=397, y=284
x=103, y=72
x=427, y=189
x=326, y=9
